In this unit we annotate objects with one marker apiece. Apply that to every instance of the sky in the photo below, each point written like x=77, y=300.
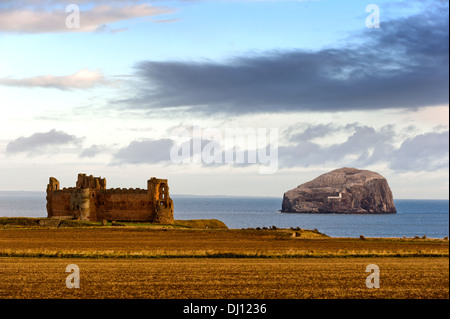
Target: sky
x=180, y=89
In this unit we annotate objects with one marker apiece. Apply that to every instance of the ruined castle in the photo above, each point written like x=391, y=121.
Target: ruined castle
x=91, y=201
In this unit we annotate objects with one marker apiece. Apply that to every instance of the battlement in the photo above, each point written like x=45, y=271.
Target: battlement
x=90, y=200
x=90, y=182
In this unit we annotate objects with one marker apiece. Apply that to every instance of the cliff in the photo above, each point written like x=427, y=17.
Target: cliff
x=342, y=191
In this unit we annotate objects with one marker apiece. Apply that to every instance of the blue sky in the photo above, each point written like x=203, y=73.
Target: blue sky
x=200, y=30
x=103, y=98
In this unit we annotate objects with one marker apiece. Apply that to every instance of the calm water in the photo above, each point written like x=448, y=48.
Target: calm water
x=414, y=218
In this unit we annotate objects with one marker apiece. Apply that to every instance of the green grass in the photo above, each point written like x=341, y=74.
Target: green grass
x=21, y=222
x=201, y=224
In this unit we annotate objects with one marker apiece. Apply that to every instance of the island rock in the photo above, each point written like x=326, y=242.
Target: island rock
x=342, y=191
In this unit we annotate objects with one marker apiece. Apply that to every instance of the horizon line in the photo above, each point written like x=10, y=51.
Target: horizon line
x=224, y=195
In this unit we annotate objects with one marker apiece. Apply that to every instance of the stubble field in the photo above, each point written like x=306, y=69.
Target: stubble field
x=224, y=278
x=146, y=263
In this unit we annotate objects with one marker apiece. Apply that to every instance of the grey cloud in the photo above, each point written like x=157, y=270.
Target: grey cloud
x=156, y=151
x=39, y=141
x=428, y=151
x=159, y=151
x=307, y=131
x=364, y=146
x=367, y=146
x=145, y=152
x=93, y=150
x=402, y=65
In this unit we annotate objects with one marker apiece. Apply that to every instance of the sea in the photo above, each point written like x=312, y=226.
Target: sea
x=414, y=217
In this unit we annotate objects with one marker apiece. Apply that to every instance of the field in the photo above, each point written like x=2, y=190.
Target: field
x=228, y=278
x=180, y=262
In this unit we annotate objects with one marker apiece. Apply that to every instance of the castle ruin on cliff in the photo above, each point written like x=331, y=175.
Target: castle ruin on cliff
x=91, y=201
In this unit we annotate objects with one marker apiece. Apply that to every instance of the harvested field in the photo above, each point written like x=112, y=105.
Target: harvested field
x=124, y=242
x=225, y=278
x=141, y=262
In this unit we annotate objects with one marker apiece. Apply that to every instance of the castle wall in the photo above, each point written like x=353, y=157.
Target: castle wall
x=60, y=204
x=125, y=205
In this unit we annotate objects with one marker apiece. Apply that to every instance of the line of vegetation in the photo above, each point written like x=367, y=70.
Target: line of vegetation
x=212, y=254
x=29, y=222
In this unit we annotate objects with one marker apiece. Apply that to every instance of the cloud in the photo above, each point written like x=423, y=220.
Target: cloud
x=429, y=151
x=145, y=152
x=309, y=131
x=362, y=146
x=50, y=16
x=93, y=151
x=166, y=21
x=366, y=146
x=39, y=142
x=402, y=65
x=82, y=79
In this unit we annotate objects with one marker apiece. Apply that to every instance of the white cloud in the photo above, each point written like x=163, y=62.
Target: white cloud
x=82, y=79
x=43, y=20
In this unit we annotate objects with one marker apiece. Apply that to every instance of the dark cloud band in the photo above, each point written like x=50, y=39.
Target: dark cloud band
x=404, y=64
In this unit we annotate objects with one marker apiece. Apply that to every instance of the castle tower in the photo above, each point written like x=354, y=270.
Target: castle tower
x=80, y=203
x=158, y=191
x=90, y=182
x=53, y=185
